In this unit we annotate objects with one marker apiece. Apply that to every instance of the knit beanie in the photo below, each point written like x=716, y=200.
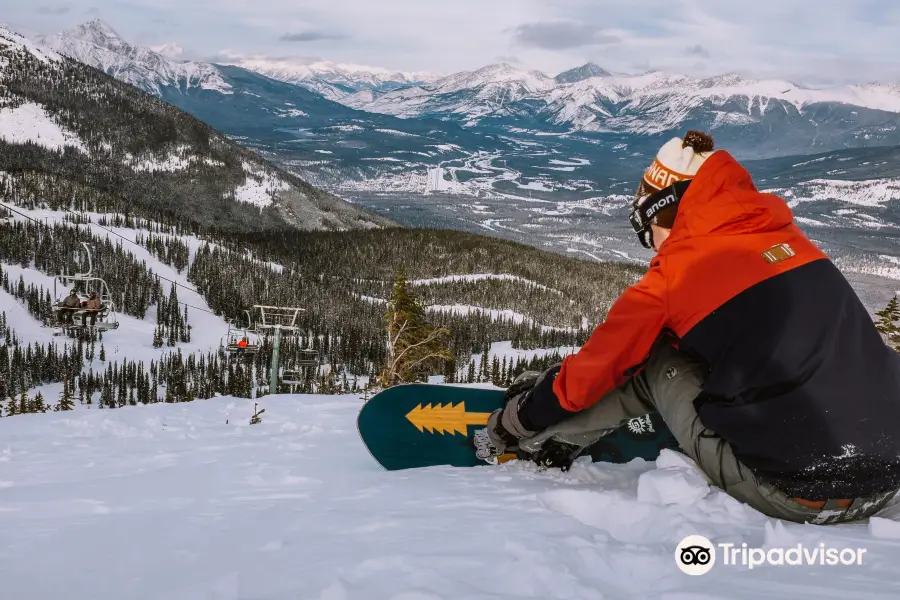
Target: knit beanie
x=677, y=160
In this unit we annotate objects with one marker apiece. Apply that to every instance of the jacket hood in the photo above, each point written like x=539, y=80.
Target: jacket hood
x=722, y=200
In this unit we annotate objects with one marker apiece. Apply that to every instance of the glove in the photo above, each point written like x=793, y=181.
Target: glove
x=504, y=428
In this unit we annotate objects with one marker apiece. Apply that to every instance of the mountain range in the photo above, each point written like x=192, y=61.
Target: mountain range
x=550, y=160
x=72, y=134
x=758, y=119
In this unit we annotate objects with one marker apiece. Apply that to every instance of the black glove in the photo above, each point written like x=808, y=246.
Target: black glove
x=504, y=427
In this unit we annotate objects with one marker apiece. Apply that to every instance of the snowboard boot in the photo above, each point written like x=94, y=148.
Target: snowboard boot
x=553, y=454
x=486, y=451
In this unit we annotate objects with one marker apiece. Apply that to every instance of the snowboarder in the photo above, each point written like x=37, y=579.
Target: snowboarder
x=746, y=339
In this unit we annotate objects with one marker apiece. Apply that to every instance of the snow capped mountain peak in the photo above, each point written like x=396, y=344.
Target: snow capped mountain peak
x=170, y=50
x=332, y=80
x=98, y=45
x=495, y=75
x=97, y=31
x=581, y=73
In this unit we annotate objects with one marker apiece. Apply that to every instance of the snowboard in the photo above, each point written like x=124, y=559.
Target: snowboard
x=423, y=425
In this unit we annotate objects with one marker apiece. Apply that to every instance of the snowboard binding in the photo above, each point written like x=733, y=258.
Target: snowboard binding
x=552, y=454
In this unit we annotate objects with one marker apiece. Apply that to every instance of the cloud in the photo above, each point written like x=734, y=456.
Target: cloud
x=513, y=60
x=311, y=36
x=54, y=10
x=561, y=35
x=697, y=50
x=839, y=42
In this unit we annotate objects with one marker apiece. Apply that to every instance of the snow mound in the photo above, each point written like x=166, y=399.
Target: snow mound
x=31, y=123
x=884, y=528
x=676, y=480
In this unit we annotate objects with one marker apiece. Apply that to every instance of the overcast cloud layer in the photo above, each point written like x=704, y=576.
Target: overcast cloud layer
x=811, y=41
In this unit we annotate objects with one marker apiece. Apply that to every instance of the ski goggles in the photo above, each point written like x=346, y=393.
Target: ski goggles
x=645, y=209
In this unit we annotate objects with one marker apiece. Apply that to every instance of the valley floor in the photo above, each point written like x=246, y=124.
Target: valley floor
x=191, y=502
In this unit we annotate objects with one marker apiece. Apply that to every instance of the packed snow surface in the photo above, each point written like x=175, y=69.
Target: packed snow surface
x=190, y=501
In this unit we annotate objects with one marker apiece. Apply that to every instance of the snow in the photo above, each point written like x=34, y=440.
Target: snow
x=610, y=102
x=397, y=133
x=480, y=277
x=177, y=160
x=496, y=314
x=98, y=45
x=29, y=122
x=134, y=337
x=871, y=192
x=353, y=75
x=190, y=501
x=260, y=187
x=10, y=38
x=293, y=112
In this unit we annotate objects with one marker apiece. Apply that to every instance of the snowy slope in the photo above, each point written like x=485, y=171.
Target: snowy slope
x=96, y=44
x=12, y=39
x=189, y=501
x=134, y=337
x=30, y=123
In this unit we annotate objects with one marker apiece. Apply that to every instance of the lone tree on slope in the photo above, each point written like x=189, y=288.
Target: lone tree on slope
x=415, y=347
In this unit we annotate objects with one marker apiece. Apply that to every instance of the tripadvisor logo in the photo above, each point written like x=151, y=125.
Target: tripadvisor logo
x=696, y=555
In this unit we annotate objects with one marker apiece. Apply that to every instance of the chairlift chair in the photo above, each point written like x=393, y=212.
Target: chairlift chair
x=236, y=334
x=307, y=358
x=85, y=283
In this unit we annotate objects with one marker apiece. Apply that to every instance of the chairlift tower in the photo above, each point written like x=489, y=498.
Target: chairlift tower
x=276, y=319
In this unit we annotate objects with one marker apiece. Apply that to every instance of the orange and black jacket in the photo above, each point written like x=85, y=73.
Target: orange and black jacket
x=799, y=381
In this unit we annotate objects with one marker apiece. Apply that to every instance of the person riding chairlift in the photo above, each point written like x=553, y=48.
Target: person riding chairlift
x=242, y=345
x=92, y=307
x=68, y=306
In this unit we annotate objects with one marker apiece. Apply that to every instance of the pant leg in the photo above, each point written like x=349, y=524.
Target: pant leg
x=586, y=427
x=669, y=383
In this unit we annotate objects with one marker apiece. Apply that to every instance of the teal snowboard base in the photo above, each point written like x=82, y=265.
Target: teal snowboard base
x=423, y=425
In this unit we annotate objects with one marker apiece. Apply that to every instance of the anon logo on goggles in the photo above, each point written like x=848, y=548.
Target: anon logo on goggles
x=646, y=208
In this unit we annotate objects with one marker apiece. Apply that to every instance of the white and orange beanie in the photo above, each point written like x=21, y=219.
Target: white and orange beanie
x=677, y=160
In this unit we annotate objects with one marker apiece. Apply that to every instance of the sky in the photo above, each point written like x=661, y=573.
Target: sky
x=806, y=41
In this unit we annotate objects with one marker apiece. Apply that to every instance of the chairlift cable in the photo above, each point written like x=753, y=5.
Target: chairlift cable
x=30, y=218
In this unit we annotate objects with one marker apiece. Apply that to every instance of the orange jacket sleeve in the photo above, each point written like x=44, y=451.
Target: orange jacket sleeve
x=621, y=342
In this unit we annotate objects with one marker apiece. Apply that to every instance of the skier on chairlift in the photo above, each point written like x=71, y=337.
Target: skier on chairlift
x=68, y=306
x=93, y=306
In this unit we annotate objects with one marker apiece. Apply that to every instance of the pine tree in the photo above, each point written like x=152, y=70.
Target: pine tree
x=888, y=323
x=65, y=397
x=415, y=347
x=102, y=353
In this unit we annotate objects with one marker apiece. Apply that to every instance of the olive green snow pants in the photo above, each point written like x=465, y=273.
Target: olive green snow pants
x=669, y=384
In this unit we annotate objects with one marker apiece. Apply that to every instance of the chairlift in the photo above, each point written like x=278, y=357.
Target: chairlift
x=295, y=374
x=242, y=340
x=82, y=286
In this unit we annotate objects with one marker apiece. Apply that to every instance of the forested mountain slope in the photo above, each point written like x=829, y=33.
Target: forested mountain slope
x=70, y=131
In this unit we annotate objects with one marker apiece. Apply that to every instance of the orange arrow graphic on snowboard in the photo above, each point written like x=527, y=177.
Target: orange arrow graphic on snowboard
x=445, y=418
